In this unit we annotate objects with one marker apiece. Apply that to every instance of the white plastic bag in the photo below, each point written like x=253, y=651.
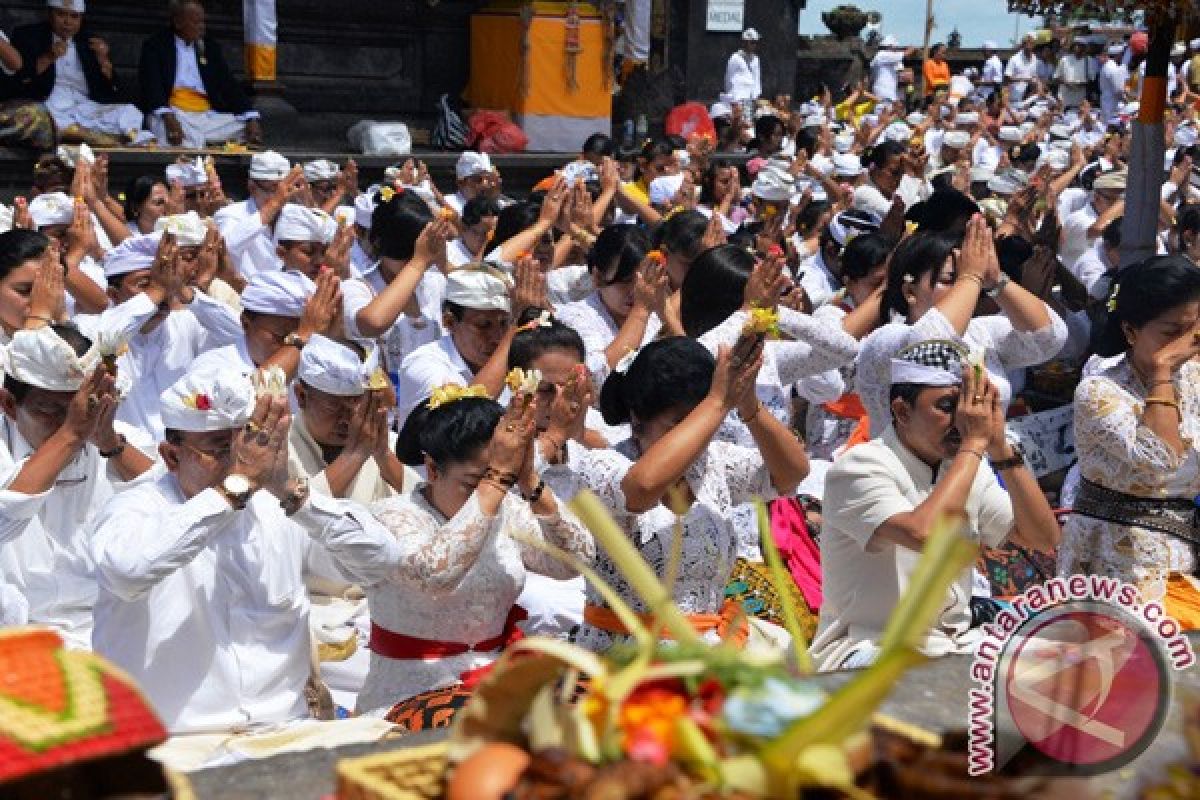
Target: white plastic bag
x=380, y=138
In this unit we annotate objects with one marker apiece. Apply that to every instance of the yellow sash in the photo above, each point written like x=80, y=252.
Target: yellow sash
x=189, y=100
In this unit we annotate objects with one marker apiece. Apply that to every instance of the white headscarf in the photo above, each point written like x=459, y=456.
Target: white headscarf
x=208, y=398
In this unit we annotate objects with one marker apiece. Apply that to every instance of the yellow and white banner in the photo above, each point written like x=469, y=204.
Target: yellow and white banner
x=258, y=19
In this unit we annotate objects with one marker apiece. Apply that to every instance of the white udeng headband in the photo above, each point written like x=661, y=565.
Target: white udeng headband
x=921, y=375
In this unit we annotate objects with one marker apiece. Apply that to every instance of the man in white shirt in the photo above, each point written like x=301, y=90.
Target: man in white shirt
x=248, y=226
x=1022, y=68
x=167, y=319
x=476, y=176
x=1082, y=227
x=303, y=236
x=478, y=223
x=1112, y=81
x=188, y=91
x=885, y=69
x=61, y=457
x=201, y=572
x=69, y=69
x=743, y=72
x=478, y=321
x=883, y=497
x=991, y=80
x=1072, y=75
x=1096, y=267
x=820, y=274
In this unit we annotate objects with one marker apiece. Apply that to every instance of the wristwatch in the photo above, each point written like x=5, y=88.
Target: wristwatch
x=995, y=291
x=296, y=497
x=294, y=340
x=237, y=489
x=1017, y=460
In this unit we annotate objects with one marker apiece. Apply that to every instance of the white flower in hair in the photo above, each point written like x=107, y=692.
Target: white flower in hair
x=523, y=381
x=542, y=320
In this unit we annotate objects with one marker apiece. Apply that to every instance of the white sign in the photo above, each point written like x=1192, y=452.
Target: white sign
x=726, y=15
x=1048, y=439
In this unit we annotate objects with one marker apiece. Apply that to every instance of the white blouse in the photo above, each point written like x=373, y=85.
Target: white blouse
x=1005, y=348
x=724, y=476
x=455, y=581
x=597, y=328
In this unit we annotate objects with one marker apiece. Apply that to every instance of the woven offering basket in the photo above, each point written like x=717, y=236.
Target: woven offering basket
x=416, y=773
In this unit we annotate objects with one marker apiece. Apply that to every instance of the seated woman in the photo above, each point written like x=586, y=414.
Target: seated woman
x=883, y=497
x=447, y=609
x=1137, y=421
x=676, y=396
x=932, y=292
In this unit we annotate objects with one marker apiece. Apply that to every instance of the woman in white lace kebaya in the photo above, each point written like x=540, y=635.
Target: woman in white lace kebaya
x=448, y=608
x=934, y=290
x=676, y=397
x=1137, y=425
x=624, y=311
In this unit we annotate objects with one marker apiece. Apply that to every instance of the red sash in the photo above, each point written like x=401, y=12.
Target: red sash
x=396, y=645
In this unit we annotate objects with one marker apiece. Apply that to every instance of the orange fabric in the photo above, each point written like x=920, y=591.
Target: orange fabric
x=189, y=100
x=849, y=406
x=606, y=620
x=260, y=61
x=545, y=184
x=1153, y=100
x=496, y=65
x=937, y=76
x=1183, y=601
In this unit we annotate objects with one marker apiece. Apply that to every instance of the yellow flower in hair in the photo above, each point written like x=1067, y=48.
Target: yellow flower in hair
x=1112, y=299
x=762, y=322
x=452, y=393
x=386, y=194
x=378, y=381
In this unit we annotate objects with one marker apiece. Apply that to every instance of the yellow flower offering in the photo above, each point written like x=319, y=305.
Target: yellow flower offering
x=762, y=322
x=452, y=393
x=523, y=382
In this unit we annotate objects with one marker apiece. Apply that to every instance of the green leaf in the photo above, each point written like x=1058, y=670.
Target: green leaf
x=782, y=582
x=695, y=751
x=633, y=567
x=946, y=554
x=545, y=729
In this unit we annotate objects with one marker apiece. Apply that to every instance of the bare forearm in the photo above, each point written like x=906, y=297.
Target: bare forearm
x=663, y=464
x=958, y=306
x=863, y=319
x=379, y=315
x=1024, y=310
x=341, y=473
x=42, y=468
x=491, y=376
x=1032, y=516
x=391, y=469
x=949, y=496
x=629, y=337
x=523, y=242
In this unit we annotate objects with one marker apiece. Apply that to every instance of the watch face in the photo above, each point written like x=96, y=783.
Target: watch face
x=237, y=485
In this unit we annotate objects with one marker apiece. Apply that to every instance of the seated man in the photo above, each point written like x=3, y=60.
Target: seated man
x=68, y=69
x=189, y=95
x=61, y=458
x=339, y=441
x=883, y=497
x=162, y=312
x=201, y=582
x=479, y=323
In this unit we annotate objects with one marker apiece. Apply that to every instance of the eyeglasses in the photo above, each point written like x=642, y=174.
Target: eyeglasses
x=221, y=455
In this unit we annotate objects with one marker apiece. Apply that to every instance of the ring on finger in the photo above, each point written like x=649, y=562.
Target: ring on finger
x=253, y=427
x=510, y=428
x=978, y=398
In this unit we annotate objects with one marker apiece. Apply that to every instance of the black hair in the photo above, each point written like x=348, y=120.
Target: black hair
x=18, y=246
x=617, y=253
x=714, y=288
x=69, y=334
x=1184, y=152
x=1088, y=175
x=878, y=156
x=682, y=233
x=138, y=192
x=652, y=149
x=765, y=126
x=667, y=373
x=478, y=207
x=529, y=345
x=1012, y=252
x=806, y=140
x=513, y=219
x=49, y=170
x=599, y=144
x=708, y=181
x=1188, y=221
x=945, y=210
x=449, y=434
x=864, y=253
x=1112, y=231
x=1025, y=153
x=810, y=215
x=905, y=391
x=918, y=258
x=1145, y=292
x=396, y=224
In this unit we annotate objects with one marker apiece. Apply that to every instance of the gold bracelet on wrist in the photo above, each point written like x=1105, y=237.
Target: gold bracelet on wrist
x=1162, y=401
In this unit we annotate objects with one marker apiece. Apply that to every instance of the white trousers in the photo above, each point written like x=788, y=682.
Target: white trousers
x=201, y=128
x=116, y=119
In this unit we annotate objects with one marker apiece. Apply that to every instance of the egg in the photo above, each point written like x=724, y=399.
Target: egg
x=489, y=773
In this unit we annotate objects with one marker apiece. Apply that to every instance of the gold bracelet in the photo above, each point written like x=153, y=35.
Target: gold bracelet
x=973, y=277
x=975, y=453
x=1162, y=401
x=752, y=417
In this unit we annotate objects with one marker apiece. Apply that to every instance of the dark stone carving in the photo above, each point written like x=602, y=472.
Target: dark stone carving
x=845, y=21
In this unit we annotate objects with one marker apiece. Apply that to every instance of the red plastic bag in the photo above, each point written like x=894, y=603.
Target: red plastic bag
x=688, y=120
x=493, y=132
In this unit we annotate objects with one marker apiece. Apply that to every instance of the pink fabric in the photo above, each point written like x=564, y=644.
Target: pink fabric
x=799, y=552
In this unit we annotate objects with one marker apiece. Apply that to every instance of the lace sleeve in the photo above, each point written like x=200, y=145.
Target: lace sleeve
x=435, y=556
x=816, y=347
x=1016, y=348
x=561, y=530
x=602, y=471
x=744, y=470
x=1111, y=439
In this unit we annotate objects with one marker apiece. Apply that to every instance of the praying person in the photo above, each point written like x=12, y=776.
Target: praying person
x=188, y=91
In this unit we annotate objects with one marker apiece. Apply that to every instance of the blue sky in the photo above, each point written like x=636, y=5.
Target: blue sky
x=976, y=20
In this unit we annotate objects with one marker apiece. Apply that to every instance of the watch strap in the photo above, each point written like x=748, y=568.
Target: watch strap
x=1017, y=460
